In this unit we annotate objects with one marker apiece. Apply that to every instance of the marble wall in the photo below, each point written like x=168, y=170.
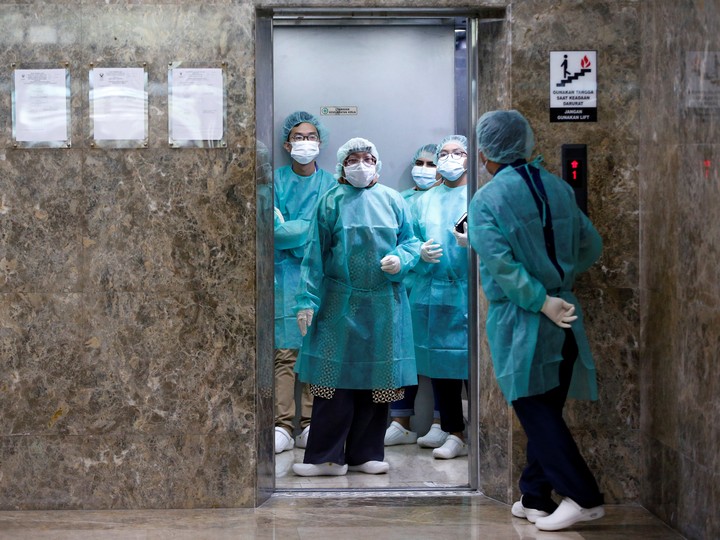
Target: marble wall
x=128, y=283
x=680, y=244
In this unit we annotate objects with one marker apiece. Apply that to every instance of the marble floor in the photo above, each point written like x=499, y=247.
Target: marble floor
x=420, y=498
x=332, y=516
x=411, y=467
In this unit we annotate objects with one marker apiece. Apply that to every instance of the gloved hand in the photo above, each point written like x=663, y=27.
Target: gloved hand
x=304, y=320
x=461, y=238
x=430, y=252
x=390, y=264
x=559, y=311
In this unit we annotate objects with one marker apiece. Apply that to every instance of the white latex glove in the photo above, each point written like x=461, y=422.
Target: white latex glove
x=390, y=264
x=461, y=238
x=304, y=320
x=430, y=252
x=559, y=311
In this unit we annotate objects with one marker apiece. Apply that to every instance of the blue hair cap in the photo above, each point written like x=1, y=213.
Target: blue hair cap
x=300, y=117
x=356, y=144
x=504, y=136
x=426, y=151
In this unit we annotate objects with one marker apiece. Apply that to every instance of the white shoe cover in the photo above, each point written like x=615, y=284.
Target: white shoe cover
x=302, y=439
x=283, y=440
x=371, y=467
x=323, y=469
x=396, y=434
x=434, y=438
x=531, y=514
x=567, y=514
x=452, y=448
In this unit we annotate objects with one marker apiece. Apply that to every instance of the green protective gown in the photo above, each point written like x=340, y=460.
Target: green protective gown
x=411, y=195
x=361, y=333
x=506, y=230
x=295, y=197
x=439, y=297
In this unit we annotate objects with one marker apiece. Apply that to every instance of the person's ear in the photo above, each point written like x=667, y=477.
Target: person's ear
x=287, y=146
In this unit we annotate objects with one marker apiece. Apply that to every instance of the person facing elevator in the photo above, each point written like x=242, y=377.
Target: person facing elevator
x=297, y=188
x=532, y=240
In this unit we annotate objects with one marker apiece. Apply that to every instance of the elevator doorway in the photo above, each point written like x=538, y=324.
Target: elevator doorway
x=401, y=82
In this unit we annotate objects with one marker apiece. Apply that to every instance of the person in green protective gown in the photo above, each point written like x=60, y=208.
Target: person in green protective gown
x=439, y=298
x=357, y=353
x=533, y=241
x=425, y=177
x=423, y=172
x=297, y=188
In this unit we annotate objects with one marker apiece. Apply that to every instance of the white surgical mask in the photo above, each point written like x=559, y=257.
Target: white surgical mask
x=424, y=176
x=359, y=175
x=305, y=151
x=451, y=169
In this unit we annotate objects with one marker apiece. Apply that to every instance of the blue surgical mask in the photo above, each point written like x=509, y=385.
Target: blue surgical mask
x=424, y=177
x=451, y=169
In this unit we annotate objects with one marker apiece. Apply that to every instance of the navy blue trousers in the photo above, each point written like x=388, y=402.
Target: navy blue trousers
x=553, y=459
x=406, y=406
x=349, y=428
x=449, y=398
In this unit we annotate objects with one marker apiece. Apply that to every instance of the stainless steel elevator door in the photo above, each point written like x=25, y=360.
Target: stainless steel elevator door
x=400, y=79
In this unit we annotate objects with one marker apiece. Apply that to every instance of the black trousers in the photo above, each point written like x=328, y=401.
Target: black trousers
x=349, y=428
x=553, y=459
x=448, y=393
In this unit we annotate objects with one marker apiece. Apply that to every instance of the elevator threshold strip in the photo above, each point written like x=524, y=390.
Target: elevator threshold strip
x=368, y=493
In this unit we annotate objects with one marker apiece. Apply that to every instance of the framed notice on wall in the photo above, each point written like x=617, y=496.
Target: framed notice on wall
x=41, y=108
x=573, y=86
x=119, y=107
x=196, y=106
x=702, y=80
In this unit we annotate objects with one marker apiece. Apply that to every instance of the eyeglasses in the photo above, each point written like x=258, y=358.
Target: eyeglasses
x=456, y=154
x=367, y=160
x=300, y=137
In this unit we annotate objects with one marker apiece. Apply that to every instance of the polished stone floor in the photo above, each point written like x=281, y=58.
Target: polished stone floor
x=329, y=516
x=357, y=506
x=411, y=467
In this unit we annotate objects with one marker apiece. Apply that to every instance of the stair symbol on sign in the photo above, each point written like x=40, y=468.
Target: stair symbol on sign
x=574, y=76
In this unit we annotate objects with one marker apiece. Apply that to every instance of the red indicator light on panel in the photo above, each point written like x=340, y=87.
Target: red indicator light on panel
x=574, y=169
x=707, y=164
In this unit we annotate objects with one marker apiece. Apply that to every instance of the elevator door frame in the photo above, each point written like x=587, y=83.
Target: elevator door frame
x=266, y=20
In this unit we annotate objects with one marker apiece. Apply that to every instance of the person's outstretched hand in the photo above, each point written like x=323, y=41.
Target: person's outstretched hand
x=559, y=311
x=430, y=252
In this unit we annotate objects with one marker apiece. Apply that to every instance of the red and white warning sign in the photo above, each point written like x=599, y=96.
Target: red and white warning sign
x=573, y=86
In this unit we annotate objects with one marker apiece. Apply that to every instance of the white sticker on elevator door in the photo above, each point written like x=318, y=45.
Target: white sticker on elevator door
x=338, y=111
